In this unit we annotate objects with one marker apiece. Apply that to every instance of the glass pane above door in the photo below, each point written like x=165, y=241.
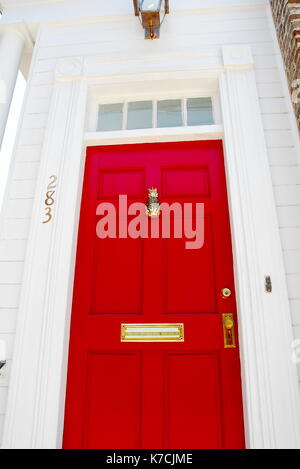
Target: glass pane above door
x=169, y=113
x=155, y=114
x=199, y=111
x=139, y=115
x=110, y=117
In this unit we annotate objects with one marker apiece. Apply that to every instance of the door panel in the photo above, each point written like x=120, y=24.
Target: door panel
x=126, y=181
x=185, y=182
x=108, y=280
x=185, y=292
x=103, y=405
x=145, y=394
x=193, y=410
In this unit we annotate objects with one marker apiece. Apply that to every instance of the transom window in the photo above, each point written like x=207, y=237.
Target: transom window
x=155, y=114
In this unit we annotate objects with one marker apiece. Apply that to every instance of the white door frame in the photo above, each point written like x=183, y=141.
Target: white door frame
x=36, y=399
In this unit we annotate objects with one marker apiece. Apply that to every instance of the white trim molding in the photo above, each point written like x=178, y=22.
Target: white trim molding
x=37, y=388
x=270, y=384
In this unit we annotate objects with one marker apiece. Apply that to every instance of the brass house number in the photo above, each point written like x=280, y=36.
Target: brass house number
x=49, y=200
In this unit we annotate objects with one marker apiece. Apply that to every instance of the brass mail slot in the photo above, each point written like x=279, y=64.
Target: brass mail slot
x=152, y=333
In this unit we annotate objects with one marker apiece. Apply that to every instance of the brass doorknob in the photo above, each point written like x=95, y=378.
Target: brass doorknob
x=228, y=323
x=226, y=292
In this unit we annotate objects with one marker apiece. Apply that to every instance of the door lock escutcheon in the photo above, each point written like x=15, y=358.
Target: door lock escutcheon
x=228, y=330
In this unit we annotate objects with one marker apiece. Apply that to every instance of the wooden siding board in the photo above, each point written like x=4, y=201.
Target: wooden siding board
x=8, y=319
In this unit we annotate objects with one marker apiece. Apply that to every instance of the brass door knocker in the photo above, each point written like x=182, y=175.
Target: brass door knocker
x=153, y=207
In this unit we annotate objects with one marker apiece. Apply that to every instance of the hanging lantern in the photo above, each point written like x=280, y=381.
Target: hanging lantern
x=151, y=14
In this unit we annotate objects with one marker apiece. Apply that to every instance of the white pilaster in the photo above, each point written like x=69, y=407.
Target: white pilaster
x=11, y=48
x=270, y=388
x=38, y=378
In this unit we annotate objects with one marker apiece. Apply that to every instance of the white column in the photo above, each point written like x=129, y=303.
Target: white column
x=11, y=49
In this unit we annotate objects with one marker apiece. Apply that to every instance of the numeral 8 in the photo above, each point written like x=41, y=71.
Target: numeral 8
x=49, y=198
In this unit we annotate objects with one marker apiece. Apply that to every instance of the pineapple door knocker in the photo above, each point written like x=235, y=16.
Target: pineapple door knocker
x=153, y=207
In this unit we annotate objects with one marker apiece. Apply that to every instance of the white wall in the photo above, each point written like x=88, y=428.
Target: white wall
x=114, y=45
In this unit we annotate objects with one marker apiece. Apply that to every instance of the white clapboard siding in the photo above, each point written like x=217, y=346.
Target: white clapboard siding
x=265, y=62
x=282, y=156
x=289, y=216
x=12, y=250
x=44, y=66
x=267, y=76
x=31, y=136
x=270, y=90
x=42, y=78
x=18, y=208
x=11, y=272
x=177, y=25
x=24, y=170
x=297, y=345
x=35, y=121
x=279, y=138
x=297, y=332
x=292, y=262
x=3, y=399
x=8, y=319
x=273, y=105
x=293, y=281
x=28, y=153
x=40, y=92
x=5, y=372
x=37, y=105
x=9, y=342
x=22, y=189
x=290, y=237
x=175, y=43
x=295, y=309
x=10, y=294
x=283, y=175
x=156, y=65
x=15, y=228
x=289, y=194
x=1, y=426
x=276, y=122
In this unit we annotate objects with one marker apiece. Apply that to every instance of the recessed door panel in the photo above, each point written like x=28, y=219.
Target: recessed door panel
x=185, y=182
x=185, y=292
x=118, y=290
x=198, y=416
x=110, y=406
x=112, y=183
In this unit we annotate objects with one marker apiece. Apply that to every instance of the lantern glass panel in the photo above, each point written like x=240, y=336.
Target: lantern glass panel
x=150, y=5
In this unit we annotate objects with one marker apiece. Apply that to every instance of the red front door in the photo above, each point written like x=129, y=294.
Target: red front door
x=153, y=394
